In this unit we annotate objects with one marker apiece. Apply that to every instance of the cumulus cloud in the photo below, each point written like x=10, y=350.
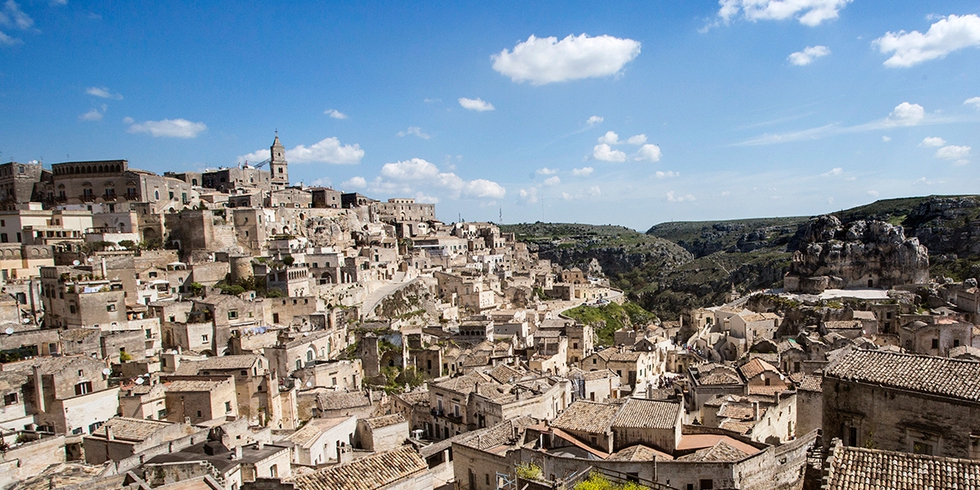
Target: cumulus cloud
x=638, y=139
x=103, y=92
x=417, y=131
x=834, y=172
x=582, y=172
x=952, y=152
x=354, y=183
x=547, y=60
x=906, y=114
x=552, y=181
x=476, y=104
x=334, y=113
x=886, y=139
x=529, y=195
x=169, y=128
x=327, y=150
x=807, y=12
x=594, y=191
x=932, y=141
x=605, y=153
x=809, y=53
x=873, y=193
x=418, y=175
x=667, y=175
x=94, y=114
x=973, y=101
x=610, y=138
x=546, y=171
x=648, y=153
x=949, y=34
x=594, y=120
x=673, y=197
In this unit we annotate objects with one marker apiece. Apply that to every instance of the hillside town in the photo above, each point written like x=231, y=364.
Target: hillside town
x=227, y=330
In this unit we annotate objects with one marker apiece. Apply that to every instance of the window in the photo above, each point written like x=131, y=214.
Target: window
x=198, y=413
x=161, y=414
x=3, y=238
x=10, y=398
x=204, y=338
x=935, y=343
x=110, y=307
x=274, y=471
x=706, y=484
x=227, y=407
x=83, y=388
x=232, y=314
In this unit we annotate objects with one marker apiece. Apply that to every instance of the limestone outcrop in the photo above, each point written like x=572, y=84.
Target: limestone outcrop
x=862, y=253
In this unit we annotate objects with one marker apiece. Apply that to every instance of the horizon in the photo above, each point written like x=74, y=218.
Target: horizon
x=633, y=114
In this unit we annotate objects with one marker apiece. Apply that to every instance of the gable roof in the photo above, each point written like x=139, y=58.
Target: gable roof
x=639, y=413
x=375, y=471
x=756, y=367
x=853, y=468
x=586, y=416
x=954, y=378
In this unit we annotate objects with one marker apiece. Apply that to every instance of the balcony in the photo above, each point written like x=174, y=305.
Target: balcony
x=87, y=197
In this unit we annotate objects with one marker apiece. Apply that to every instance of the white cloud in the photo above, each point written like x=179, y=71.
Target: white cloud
x=484, y=188
x=873, y=193
x=582, y=172
x=906, y=114
x=424, y=198
x=414, y=169
x=594, y=191
x=834, y=172
x=886, y=139
x=334, y=113
x=127, y=120
x=923, y=180
x=667, y=175
x=638, y=139
x=807, y=12
x=321, y=182
x=169, y=128
x=648, y=153
x=103, y=92
x=476, y=104
x=566, y=196
x=12, y=16
x=528, y=196
x=809, y=53
x=943, y=37
x=417, y=131
x=598, y=119
x=932, y=141
x=327, y=150
x=672, y=197
x=610, y=138
x=552, y=181
x=354, y=183
x=974, y=101
x=605, y=153
x=952, y=152
x=408, y=175
x=94, y=114
x=546, y=60
x=546, y=171
x=9, y=41
x=960, y=163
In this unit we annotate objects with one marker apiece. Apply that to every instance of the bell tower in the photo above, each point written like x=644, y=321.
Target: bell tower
x=278, y=166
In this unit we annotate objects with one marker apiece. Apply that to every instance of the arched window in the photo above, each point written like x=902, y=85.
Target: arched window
x=310, y=355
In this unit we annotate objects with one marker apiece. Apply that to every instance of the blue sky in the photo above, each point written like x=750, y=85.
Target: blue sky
x=630, y=113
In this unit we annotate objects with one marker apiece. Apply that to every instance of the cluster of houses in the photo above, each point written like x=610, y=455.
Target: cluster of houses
x=226, y=330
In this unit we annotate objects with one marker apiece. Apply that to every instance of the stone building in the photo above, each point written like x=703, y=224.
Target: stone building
x=121, y=437
x=399, y=469
x=18, y=183
x=70, y=395
x=382, y=433
x=902, y=402
x=201, y=398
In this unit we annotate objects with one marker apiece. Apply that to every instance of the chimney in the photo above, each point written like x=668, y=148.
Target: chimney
x=755, y=411
x=39, y=391
x=259, y=445
x=238, y=452
x=108, y=433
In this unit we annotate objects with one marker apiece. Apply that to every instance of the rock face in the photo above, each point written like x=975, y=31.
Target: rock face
x=863, y=253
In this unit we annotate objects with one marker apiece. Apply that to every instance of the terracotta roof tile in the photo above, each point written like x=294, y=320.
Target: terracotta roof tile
x=647, y=414
x=937, y=375
x=586, y=416
x=375, y=471
x=853, y=468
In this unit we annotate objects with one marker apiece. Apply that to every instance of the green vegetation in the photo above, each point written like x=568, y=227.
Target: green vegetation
x=125, y=356
x=395, y=379
x=611, y=317
x=597, y=481
x=529, y=471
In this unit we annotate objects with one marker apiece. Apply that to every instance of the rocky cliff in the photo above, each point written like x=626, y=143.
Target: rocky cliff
x=863, y=253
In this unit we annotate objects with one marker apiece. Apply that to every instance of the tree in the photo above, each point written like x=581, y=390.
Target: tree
x=196, y=288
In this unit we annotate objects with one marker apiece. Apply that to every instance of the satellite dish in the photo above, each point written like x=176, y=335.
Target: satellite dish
x=90, y=260
x=106, y=371
x=75, y=262
x=309, y=383
x=139, y=381
x=9, y=330
x=26, y=321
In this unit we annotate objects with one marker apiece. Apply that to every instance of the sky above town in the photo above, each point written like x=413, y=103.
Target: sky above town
x=629, y=113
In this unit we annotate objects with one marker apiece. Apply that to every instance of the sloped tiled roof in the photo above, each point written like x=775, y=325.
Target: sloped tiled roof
x=756, y=367
x=647, y=414
x=384, y=420
x=501, y=433
x=937, y=375
x=853, y=468
x=219, y=363
x=375, y=471
x=720, y=452
x=307, y=435
x=340, y=401
x=586, y=416
x=129, y=429
x=639, y=452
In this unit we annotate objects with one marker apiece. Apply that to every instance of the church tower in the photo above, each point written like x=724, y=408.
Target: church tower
x=278, y=166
